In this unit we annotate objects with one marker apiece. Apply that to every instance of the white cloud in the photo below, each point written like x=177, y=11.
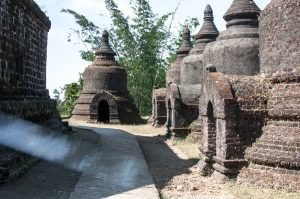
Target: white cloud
x=86, y=5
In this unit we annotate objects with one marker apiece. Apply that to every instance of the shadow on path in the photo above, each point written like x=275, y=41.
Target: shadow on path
x=163, y=163
x=44, y=181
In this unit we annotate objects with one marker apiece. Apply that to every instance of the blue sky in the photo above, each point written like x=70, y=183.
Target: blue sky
x=64, y=62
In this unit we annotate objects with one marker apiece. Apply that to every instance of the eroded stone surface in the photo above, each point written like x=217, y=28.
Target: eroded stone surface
x=236, y=49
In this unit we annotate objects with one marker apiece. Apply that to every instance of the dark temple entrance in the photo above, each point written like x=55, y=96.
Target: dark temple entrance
x=103, y=111
x=211, y=128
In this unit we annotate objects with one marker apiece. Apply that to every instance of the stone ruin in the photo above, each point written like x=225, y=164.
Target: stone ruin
x=23, y=52
x=248, y=87
x=105, y=97
x=231, y=120
x=173, y=80
x=183, y=98
x=184, y=81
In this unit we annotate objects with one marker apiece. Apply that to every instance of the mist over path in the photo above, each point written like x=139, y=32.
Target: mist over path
x=112, y=166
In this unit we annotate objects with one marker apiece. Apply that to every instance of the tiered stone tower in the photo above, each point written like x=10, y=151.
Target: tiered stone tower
x=184, y=103
x=105, y=97
x=192, y=68
x=192, y=65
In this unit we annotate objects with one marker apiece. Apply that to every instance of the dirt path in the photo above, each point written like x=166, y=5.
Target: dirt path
x=174, y=174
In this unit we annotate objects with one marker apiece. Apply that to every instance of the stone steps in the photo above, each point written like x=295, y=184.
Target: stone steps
x=13, y=164
x=278, y=145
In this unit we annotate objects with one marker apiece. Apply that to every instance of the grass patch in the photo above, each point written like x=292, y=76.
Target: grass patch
x=188, y=146
x=248, y=192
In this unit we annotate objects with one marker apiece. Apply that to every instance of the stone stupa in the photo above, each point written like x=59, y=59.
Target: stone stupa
x=236, y=49
x=192, y=65
x=105, y=97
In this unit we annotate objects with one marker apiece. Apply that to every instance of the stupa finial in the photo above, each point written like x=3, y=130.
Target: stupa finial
x=208, y=29
x=207, y=33
x=208, y=13
x=186, y=45
x=105, y=48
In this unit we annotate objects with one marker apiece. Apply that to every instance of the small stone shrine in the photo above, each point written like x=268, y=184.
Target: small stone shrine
x=105, y=97
x=250, y=124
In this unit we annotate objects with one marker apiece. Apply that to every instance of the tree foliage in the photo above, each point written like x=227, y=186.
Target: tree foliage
x=176, y=39
x=71, y=93
x=143, y=44
x=139, y=43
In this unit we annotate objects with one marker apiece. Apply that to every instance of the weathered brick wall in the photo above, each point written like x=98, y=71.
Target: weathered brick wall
x=275, y=156
x=33, y=110
x=251, y=94
x=23, y=52
x=23, y=49
x=280, y=36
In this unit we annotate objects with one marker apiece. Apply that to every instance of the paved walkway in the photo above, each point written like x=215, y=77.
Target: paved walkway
x=119, y=170
x=113, y=166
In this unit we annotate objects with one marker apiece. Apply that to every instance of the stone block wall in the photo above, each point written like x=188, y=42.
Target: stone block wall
x=251, y=97
x=23, y=53
x=279, y=36
x=23, y=49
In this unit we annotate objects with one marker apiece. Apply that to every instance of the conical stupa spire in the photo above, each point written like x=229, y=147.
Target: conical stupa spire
x=186, y=45
x=105, y=56
x=208, y=29
x=242, y=10
x=207, y=33
x=208, y=13
x=105, y=48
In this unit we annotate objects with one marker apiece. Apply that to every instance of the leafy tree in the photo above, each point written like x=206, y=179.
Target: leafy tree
x=59, y=105
x=88, y=35
x=176, y=39
x=71, y=93
x=139, y=43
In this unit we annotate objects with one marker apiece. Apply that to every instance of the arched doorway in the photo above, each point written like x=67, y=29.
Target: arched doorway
x=103, y=111
x=211, y=128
